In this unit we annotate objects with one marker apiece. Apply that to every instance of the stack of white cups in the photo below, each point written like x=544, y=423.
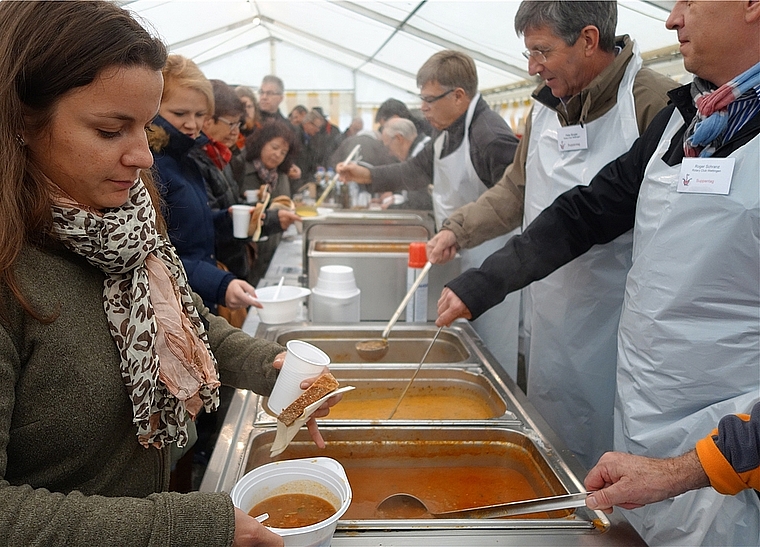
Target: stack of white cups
x=335, y=298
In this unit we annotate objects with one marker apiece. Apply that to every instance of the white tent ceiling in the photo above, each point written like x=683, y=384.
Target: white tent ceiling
x=370, y=49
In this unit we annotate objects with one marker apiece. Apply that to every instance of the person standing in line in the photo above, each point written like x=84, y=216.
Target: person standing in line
x=252, y=119
x=269, y=154
x=271, y=93
x=688, y=335
x=187, y=100
x=296, y=115
x=104, y=348
x=596, y=99
x=213, y=155
x=472, y=147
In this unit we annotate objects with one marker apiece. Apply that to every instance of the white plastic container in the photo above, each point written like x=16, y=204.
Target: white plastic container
x=323, y=477
x=302, y=361
x=285, y=308
x=335, y=298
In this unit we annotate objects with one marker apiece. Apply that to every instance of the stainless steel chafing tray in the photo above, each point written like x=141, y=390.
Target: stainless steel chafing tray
x=518, y=439
x=376, y=245
x=454, y=467
x=406, y=342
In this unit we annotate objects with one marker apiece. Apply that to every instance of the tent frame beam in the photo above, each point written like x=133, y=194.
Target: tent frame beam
x=428, y=37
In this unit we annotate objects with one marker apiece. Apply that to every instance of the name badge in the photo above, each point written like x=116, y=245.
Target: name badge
x=706, y=175
x=572, y=137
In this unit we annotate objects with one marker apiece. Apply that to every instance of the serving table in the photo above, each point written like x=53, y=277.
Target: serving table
x=511, y=437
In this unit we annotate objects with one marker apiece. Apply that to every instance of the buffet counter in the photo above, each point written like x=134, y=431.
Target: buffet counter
x=481, y=435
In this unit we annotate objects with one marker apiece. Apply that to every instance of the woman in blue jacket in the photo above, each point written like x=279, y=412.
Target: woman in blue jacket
x=186, y=102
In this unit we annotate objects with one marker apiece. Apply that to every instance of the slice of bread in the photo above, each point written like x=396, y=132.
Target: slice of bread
x=323, y=385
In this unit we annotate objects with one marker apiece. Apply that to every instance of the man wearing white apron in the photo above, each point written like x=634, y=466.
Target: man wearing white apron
x=689, y=332
x=455, y=183
x=571, y=317
x=469, y=155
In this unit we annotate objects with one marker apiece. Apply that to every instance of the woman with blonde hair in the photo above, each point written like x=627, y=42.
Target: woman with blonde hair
x=187, y=100
x=104, y=348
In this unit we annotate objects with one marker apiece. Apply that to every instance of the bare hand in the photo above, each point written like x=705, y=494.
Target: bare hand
x=353, y=172
x=442, y=247
x=294, y=173
x=286, y=218
x=321, y=412
x=251, y=533
x=630, y=481
x=240, y=294
x=450, y=307
x=279, y=360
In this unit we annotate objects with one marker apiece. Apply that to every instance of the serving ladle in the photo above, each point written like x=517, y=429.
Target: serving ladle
x=376, y=348
x=405, y=502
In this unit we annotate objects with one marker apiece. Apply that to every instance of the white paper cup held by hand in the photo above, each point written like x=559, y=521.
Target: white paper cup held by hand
x=241, y=218
x=251, y=196
x=302, y=361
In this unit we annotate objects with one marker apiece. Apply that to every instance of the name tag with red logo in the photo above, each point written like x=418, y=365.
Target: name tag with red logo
x=706, y=175
x=571, y=138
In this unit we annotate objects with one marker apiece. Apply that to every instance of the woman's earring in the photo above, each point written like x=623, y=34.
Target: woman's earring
x=20, y=140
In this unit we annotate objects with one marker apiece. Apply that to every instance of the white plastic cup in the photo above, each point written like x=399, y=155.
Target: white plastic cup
x=323, y=477
x=251, y=196
x=241, y=218
x=302, y=361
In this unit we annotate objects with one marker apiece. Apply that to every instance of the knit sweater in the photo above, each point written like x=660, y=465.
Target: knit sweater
x=71, y=469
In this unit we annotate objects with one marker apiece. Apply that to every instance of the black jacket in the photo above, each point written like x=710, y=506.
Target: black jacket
x=583, y=216
x=492, y=149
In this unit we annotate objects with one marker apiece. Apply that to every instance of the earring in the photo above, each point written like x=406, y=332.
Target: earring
x=20, y=140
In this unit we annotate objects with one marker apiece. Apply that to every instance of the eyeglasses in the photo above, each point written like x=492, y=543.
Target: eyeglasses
x=233, y=125
x=269, y=93
x=431, y=100
x=536, y=54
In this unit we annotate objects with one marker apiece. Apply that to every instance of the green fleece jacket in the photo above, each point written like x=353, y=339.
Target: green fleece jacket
x=71, y=470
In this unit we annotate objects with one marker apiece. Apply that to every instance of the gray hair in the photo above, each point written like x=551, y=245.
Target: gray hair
x=400, y=126
x=274, y=80
x=314, y=117
x=566, y=19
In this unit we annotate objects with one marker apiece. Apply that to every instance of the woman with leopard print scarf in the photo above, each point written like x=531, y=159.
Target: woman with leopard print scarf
x=105, y=351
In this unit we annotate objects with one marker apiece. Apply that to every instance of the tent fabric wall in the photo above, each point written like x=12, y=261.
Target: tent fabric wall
x=364, y=50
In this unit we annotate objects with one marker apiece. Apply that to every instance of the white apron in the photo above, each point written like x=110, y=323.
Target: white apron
x=689, y=342
x=571, y=317
x=456, y=183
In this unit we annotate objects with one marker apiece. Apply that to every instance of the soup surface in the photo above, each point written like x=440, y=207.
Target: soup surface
x=427, y=403
x=293, y=510
x=442, y=489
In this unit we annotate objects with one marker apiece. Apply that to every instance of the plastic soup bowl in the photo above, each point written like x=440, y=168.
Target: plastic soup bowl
x=323, y=477
x=285, y=308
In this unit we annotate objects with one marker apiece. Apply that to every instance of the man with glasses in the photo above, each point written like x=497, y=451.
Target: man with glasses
x=468, y=153
x=594, y=101
x=688, y=336
x=271, y=93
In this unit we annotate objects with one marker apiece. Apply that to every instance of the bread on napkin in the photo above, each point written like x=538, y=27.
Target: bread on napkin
x=322, y=386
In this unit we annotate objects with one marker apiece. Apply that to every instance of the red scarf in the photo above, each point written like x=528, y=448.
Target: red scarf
x=218, y=152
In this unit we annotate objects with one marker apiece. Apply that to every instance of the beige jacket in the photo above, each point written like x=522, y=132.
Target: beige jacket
x=500, y=209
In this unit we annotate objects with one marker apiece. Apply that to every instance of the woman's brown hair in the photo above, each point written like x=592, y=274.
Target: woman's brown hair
x=46, y=50
x=255, y=142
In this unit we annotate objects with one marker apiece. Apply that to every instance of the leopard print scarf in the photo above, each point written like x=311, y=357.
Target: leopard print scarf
x=156, y=332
